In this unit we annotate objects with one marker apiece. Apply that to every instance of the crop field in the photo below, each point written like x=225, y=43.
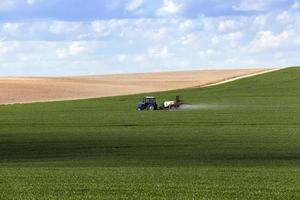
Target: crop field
x=239, y=140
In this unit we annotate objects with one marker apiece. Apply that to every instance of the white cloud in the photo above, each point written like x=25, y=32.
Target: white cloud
x=227, y=25
x=31, y=2
x=296, y=5
x=122, y=57
x=11, y=27
x=189, y=39
x=207, y=52
x=73, y=48
x=6, y=48
x=98, y=26
x=160, y=52
x=156, y=34
x=77, y=48
x=114, y=27
x=187, y=25
x=260, y=20
x=61, y=27
x=170, y=7
x=150, y=44
x=140, y=57
x=57, y=27
x=61, y=53
x=12, y=4
x=231, y=38
x=250, y=5
x=134, y=4
x=283, y=17
x=7, y=4
x=268, y=39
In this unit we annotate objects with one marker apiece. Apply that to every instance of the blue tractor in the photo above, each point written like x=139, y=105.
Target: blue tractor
x=149, y=103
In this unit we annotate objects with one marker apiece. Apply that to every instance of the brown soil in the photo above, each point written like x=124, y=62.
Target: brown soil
x=38, y=89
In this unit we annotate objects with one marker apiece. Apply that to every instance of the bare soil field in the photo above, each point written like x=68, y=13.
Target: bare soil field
x=39, y=89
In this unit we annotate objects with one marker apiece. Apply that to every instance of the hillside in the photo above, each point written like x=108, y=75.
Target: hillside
x=239, y=140
x=40, y=89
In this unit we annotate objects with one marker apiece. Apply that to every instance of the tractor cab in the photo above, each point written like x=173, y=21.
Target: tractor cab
x=149, y=103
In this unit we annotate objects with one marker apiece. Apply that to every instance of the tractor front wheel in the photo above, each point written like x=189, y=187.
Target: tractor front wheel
x=151, y=108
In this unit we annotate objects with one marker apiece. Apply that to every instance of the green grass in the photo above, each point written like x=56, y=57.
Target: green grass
x=243, y=144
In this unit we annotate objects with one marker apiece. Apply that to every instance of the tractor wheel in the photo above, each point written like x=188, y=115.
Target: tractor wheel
x=151, y=108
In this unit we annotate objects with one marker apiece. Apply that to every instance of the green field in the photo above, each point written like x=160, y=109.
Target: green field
x=241, y=142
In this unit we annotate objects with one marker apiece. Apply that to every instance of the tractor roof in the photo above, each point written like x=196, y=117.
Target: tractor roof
x=148, y=97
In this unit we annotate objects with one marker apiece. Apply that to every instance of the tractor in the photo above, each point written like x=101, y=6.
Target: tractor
x=149, y=103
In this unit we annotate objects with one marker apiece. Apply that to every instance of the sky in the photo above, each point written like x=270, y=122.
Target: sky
x=86, y=37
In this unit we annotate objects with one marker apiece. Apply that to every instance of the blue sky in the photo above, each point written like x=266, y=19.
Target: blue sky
x=75, y=37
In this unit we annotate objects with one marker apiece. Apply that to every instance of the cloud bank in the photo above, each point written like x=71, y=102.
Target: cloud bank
x=38, y=38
